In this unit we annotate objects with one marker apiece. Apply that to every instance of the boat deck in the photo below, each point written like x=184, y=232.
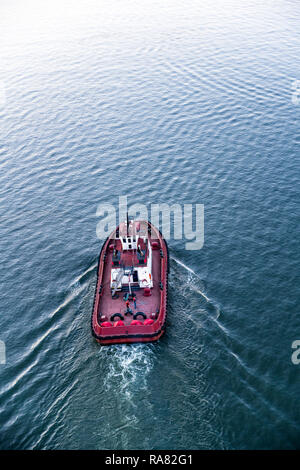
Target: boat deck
x=148, y=305
x=129, y=257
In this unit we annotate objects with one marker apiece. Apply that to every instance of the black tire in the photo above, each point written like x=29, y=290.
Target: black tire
x=137, y=314
x=115, y=315
x=168, y=266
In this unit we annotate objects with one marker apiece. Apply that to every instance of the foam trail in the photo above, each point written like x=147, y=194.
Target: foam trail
x=70, y=297
x=91, y=268
x=129, y=367
x=192, y=272
x=76, y=288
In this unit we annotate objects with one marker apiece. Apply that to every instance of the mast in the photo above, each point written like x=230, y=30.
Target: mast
x=127, y=222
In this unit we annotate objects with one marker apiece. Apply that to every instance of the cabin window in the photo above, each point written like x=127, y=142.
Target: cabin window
x=129, y=240
x=124, y=240
x=129, y=246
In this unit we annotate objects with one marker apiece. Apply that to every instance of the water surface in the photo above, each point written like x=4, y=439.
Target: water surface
x=180, y=102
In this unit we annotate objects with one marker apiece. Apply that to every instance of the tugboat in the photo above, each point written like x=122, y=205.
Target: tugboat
x=130, y=303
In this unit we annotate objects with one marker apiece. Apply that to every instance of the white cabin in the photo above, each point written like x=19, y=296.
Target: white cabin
x=135, y=265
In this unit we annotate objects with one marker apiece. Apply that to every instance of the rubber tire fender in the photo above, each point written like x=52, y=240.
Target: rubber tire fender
x=137, y=314
x=115, y=315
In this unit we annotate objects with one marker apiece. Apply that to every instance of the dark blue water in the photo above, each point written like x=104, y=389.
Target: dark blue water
x=175, y=102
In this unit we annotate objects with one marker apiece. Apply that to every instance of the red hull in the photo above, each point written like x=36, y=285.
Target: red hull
x=153, y=306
